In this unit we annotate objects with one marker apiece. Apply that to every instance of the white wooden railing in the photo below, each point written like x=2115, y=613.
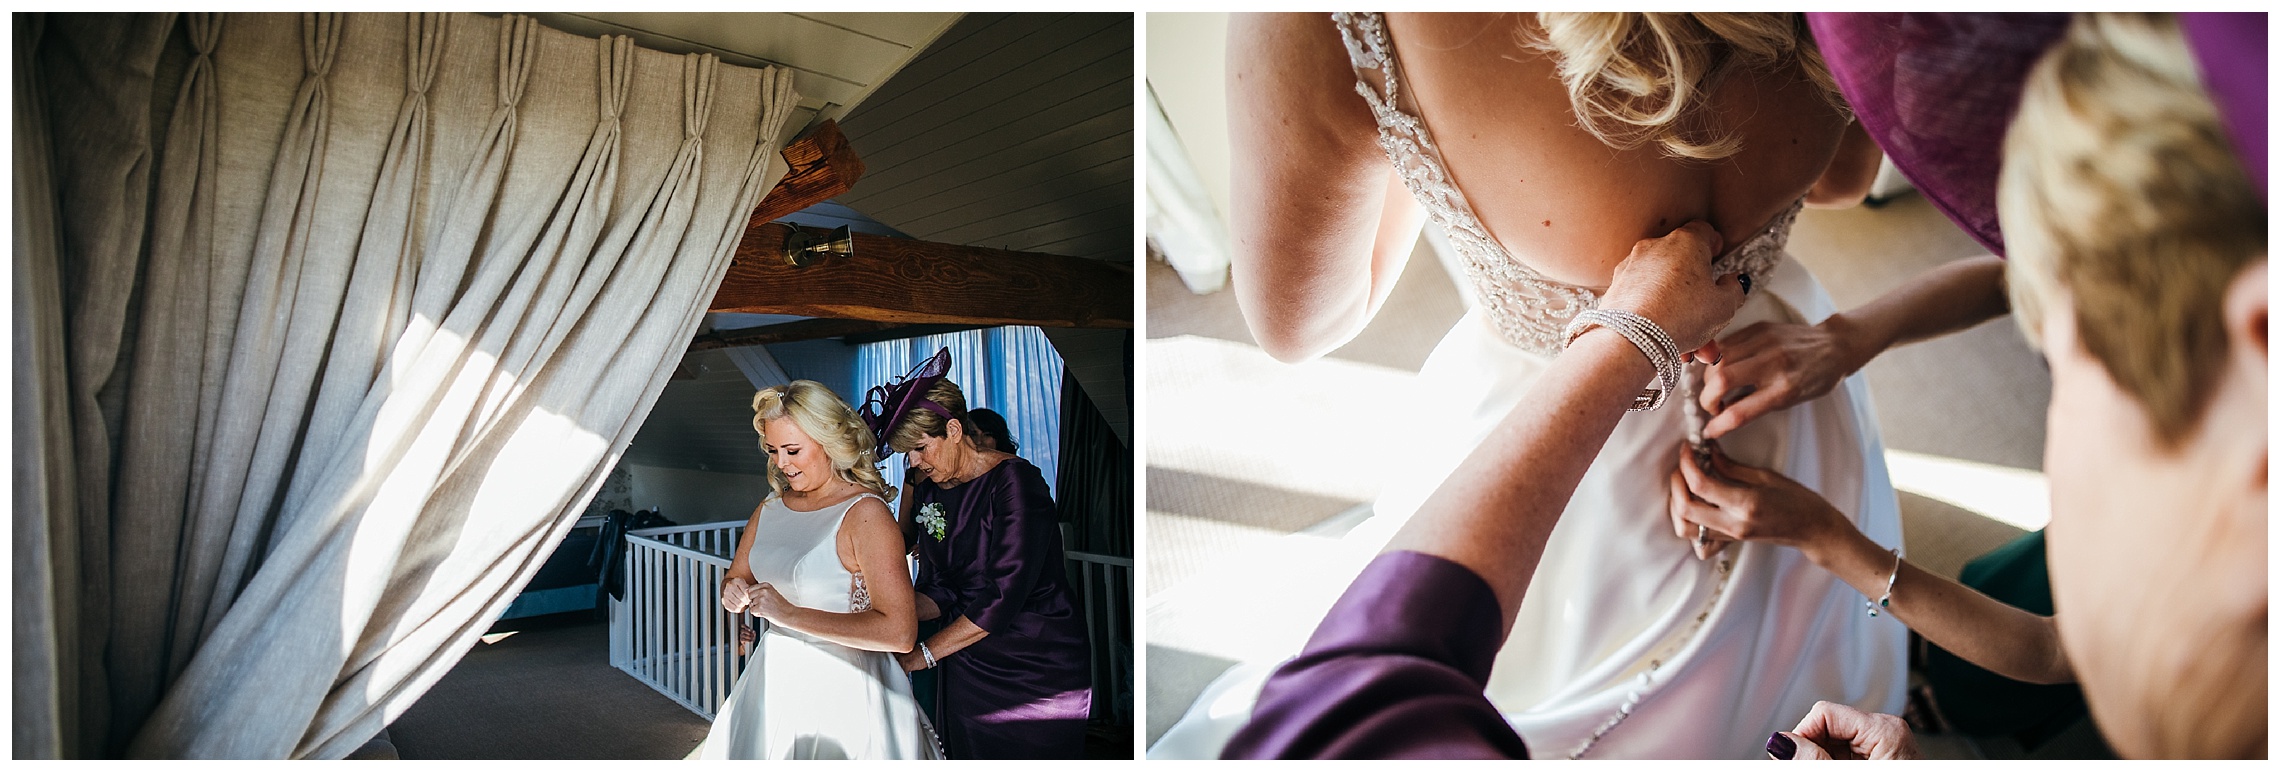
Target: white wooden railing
x=670, y=633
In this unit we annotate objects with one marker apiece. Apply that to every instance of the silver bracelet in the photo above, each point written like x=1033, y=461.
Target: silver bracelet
x=1643, y=333
x=928, y=654
x=1877, y=606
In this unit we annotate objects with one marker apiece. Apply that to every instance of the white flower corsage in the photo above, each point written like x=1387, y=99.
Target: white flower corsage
x=930, y=516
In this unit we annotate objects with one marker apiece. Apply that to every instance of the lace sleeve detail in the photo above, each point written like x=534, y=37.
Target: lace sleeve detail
x=1757, y=255
x=858, y=593
x=1364, y=34
x=1528, y=309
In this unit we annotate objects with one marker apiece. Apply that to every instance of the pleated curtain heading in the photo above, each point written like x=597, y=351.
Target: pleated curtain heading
x=327, y=326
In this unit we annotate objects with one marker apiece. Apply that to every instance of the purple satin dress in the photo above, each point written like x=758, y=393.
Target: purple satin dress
x=1024, y=691
x=1397, y=670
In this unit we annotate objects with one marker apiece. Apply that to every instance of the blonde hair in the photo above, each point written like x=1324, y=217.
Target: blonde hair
x=1636, y=78
x=920, y=422
x=2119, y=185
x=831, y=423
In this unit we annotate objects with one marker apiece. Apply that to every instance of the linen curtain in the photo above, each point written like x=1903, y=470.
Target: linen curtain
x=1012, y=370
x=327, y=326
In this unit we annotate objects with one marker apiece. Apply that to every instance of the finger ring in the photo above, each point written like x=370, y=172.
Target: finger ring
x=1744, y=278
x=1701, y=534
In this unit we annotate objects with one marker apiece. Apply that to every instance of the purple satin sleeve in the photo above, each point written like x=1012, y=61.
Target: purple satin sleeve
x=1397, y=670
x=1023, y=544
x=1937, y=92
x=929, y=583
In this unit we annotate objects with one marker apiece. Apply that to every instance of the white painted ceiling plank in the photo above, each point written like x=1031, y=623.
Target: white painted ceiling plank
x=759, y=367
x=914, y=30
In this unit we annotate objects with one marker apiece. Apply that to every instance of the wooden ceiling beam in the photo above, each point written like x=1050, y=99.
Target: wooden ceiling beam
x=822, y=165
x=920, y=282
x=893, y=282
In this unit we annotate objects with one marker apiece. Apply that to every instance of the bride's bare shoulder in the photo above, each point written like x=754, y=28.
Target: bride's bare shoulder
x=1307, y=181
x=1290, y=73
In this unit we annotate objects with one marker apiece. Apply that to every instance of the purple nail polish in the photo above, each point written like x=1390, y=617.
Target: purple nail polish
x=1780, y=747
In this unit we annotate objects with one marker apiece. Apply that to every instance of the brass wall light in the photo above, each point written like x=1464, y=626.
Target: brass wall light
x=802, y=249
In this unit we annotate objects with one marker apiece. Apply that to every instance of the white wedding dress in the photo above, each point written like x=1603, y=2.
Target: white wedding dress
x=802, y=697
x=1626, y=646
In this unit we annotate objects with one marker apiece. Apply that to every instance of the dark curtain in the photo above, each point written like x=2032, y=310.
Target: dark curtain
x=1094, y=488
x=1095, y=478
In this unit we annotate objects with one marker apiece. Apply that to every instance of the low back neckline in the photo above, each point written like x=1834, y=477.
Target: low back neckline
x=1527, y=308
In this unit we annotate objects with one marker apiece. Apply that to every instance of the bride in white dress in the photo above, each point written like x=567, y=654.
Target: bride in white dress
x=1627, y=645
x=821, y=565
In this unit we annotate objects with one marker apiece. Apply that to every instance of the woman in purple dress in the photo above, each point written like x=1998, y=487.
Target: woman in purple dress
x=1014, y=680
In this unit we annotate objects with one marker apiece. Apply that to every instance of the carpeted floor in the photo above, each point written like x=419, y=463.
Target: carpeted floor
x=545, y=692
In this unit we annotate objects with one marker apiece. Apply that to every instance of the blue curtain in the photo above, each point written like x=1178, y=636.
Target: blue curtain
x=1012, y=370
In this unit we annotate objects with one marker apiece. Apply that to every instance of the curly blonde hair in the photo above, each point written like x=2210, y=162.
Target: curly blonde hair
x=1636, y=78
x=2120, y=186
x=831, y=423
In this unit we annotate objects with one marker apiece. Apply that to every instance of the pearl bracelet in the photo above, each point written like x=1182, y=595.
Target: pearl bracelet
x=1643, y=333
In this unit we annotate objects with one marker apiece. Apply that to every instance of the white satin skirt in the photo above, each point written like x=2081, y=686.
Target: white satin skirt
x=802, y=697
x=1710, y=656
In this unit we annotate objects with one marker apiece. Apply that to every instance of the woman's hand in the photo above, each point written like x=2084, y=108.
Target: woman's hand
x=769, y=604
x=1834, y=731
x=1668, y=281
x=911, y=661
x=1746, y=503
x=735, y=595
x=1769, y=366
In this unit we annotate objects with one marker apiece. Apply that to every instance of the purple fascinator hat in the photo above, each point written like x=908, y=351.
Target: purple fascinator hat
x=886, y=404
x=2230, y=48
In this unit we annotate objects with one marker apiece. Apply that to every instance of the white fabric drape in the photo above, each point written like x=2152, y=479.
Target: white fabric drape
x=1184, y=226
x=1012, y=370
x=408, y=286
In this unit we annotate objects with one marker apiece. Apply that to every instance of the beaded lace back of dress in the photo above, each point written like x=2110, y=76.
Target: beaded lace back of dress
x=858, y=594
x=1529, y=309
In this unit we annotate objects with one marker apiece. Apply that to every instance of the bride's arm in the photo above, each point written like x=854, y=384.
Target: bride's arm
x=891, y=624
x=736, y=586
x=1322, y=226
